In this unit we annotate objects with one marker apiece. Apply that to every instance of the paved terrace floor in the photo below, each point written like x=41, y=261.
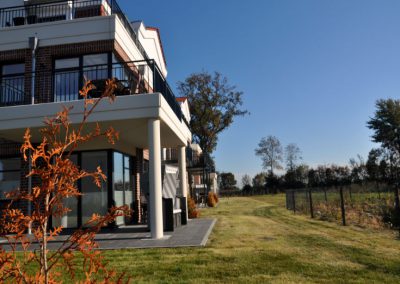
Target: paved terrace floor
x=194, y=234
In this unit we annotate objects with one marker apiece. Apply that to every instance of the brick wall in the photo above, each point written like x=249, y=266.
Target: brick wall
x=45, y=58
x=44, y=64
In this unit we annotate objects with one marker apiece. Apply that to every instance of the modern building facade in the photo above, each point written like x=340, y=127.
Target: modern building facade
x=47, y=51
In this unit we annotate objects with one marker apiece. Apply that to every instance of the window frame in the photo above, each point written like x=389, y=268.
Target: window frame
x=80, y=68
x=10, y=171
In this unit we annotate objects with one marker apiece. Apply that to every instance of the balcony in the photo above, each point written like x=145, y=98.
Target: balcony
x=63, y=85
x=54, y=11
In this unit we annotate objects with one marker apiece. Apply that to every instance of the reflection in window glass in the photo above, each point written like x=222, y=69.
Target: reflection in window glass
x=98, y=72
x=118, y=178
x=95, y=59
x=123, y=185
x=9, y=175
x=70, y=220
x=13, y=69
x=67, y=63
x=12, y=84
x=66, y=86
x=66, y=82
x=94, y=199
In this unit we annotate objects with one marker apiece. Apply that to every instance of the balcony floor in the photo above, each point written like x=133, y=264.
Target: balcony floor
x=128, y=114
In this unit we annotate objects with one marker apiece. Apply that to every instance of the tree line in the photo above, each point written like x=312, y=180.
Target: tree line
x=382, y=164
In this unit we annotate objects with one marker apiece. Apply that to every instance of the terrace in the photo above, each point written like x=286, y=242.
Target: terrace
x=62, y=84
x=44, y=11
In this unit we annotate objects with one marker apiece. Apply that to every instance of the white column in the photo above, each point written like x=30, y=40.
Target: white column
x=156, y=215
x=183, y=173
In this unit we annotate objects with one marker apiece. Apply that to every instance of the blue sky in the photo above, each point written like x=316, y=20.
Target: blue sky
x=310, y=70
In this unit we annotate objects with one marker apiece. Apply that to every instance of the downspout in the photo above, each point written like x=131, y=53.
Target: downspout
x=33, y=44
x=30, y=191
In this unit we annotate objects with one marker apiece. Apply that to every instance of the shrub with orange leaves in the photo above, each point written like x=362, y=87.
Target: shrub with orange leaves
x=193, y=212
x=212, y=199
x=51, y=164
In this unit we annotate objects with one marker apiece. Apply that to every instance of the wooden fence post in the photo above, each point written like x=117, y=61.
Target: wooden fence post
x=294, y=201
x=311, y=204
x=342, y=207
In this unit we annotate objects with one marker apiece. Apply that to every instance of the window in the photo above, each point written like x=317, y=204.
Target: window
x=94, y=199
x=9, y=175
x=122, y=183
x=12, y=80
x=71, y=73
x=69, y=220
x=67, y=63
x=66, y=79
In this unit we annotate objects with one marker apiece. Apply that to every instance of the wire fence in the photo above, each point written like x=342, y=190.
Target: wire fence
x=368, y=205
x=234, y=193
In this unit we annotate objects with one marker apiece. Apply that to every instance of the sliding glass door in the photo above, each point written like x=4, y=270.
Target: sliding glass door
x=122, y=183
x=70, y=220
x=119, y=187
x=94, y=199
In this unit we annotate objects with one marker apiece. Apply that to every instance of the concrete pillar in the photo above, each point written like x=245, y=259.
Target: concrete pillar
x=156, y=215
x=182, y=172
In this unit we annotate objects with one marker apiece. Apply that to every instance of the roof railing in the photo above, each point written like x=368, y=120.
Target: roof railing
x=53, y=11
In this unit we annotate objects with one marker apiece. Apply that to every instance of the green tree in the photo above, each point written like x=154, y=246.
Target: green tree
x=270, y=151
x=358, y=170
x=259, y=180
x=386, y=127
x=214, y=104
x=227, y=181
x=297, y=177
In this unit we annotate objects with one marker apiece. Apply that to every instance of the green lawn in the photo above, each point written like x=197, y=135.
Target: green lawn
x=256, y=240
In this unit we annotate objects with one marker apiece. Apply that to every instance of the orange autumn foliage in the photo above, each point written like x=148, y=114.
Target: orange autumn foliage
x=51, y=164
x=212, y=199
x=193, y=212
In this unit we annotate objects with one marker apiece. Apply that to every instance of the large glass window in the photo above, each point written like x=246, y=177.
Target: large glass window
x=12, y=83
x=95, y=67
x=118, y=178
x=94, y=199
x=70, y=220
x=10, y=175
x=70, y=74
x=66, y=79
x=128, y=182
x=123, y=185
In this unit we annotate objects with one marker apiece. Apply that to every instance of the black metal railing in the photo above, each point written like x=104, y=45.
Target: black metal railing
x=12, y=90
x=133, y=77
x=52, y=11
x=66, y=10
x=116, y=10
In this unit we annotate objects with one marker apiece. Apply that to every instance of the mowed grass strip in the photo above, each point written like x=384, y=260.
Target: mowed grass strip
x=256, y=240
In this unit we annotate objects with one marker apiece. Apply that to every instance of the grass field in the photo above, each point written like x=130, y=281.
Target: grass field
x=256, y=240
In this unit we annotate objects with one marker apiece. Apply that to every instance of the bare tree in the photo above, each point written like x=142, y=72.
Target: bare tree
x=292, y=156
x=358, y=169
x=270, y=151
x=246, y=180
